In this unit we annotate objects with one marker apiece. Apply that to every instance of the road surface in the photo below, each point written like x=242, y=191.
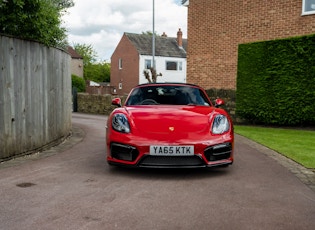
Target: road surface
x=72, y=187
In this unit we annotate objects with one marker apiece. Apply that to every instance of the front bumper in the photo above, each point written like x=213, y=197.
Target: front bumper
x=132, y=156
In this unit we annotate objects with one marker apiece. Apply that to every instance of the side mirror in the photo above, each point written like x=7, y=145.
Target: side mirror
x=218, y=102
x=117, y=102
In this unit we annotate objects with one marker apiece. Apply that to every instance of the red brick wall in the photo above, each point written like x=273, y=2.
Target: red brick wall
x=216, y=27
x=100, y=90
x=129, y=74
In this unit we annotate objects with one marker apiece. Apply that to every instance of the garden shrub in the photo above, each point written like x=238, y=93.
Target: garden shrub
x=78, y=83
x=276, y=81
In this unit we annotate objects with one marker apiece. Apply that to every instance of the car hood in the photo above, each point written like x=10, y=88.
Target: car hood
x=169, y=119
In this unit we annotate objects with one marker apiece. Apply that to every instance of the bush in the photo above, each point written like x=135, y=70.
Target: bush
x=276, y=81
x=78, y=83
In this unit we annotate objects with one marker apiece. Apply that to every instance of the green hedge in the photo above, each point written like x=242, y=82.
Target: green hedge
x=78, y=83
x=276, y=81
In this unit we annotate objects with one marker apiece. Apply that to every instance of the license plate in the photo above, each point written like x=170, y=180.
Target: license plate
x=162, y=150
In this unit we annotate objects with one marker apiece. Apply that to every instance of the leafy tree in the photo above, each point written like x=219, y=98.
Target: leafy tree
x=101, y=72
x=98, y=72
x=149, y=32
x=106, y=71
x=87, y=52
x=35, y=20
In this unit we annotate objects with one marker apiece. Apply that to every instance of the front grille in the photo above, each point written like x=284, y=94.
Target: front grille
x=171, y=161
x=218, y=152
x=123, y=152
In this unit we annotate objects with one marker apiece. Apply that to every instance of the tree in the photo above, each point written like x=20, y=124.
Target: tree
x=35, y=20
x=151, y=75
x=98, y=72
x=87, y=52
x=148, y=32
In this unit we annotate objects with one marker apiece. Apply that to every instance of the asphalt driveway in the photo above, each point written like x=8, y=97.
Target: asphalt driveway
x=71, y=186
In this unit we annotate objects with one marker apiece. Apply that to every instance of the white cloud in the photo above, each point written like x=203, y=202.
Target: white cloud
x=102, y=23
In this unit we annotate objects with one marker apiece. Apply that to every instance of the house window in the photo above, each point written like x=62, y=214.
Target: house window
x=120, y=86
x=174, y=65
x=180, y=66
x=171, y=65
x=120, y=63
x=308, y=7
x=147, y=64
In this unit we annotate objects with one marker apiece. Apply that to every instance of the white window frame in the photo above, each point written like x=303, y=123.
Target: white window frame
x=308, y=4
x=145, y=63
x=179, y=66
x=120, y=63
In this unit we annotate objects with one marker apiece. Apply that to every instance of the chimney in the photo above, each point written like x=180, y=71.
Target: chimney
x=180, y=38
x=164, y=35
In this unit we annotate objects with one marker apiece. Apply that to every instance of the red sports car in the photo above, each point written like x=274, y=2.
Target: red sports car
x=167, y=125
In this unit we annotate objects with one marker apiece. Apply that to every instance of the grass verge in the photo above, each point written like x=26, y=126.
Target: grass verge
x=298, y=145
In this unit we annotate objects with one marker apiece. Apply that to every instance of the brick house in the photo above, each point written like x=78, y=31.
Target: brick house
x=76, y=62
x=133, y=55
x=216, y=28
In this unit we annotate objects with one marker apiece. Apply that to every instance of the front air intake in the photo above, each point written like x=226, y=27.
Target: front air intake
x=123, y=152
x=218, y=152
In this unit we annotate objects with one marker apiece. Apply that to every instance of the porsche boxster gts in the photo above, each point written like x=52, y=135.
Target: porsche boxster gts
x=169, y=125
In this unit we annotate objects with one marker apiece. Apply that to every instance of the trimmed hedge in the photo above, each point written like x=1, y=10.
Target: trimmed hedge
x=276, y=82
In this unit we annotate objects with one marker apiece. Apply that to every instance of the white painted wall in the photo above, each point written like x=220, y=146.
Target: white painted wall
x=167, y=75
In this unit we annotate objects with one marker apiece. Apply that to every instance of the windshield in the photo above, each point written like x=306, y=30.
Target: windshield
x=167, y=95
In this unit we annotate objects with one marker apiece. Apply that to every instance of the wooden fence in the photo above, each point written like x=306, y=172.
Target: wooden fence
x=35, y=96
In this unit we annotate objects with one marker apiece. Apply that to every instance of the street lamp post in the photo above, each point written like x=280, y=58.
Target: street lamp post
x=153, y=38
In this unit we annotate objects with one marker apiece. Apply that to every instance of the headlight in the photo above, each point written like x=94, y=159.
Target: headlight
x=220, y=124
x=120, y=123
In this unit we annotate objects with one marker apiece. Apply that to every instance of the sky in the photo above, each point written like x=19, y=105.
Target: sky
x=101, y=23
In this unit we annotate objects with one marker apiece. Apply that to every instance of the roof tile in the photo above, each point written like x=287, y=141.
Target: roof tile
x=164, y=46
